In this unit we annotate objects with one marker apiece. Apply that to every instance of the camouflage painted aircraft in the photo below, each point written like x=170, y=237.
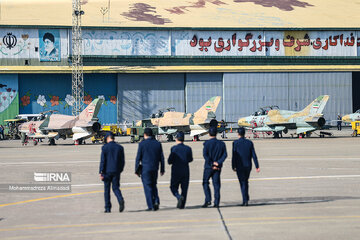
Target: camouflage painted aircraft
x=198, y=123
x=57, y=126
x=352, y=117
x=280, y=121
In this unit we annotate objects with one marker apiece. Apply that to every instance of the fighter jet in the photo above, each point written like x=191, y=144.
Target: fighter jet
x=198, y=123
x=278, y=121
x=56, y=126
x=352, y=117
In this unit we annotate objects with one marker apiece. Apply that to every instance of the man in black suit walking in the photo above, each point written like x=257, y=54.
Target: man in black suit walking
x=111, y=165
x=150, y=155
x=243, y=151
x=180, y=157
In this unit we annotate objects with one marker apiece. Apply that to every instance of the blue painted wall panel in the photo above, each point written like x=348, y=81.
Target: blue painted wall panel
x=46, y=92
x=103, y=85
x=49, y=92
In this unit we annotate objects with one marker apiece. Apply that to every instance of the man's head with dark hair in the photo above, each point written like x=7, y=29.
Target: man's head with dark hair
x=241, y=132
x=212, y=132
x=49, y=36
x=180, y=136
x=148, y=132
x=109, y=137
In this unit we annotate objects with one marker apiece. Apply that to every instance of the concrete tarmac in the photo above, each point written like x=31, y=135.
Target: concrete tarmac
x=307, y=189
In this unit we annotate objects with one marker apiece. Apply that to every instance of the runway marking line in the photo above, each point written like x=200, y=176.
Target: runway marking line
x=59, y=196
x=181, y=221
x=195, y=159
x=163, y=183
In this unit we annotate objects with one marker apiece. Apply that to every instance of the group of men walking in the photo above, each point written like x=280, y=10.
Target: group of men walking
x=150, y=159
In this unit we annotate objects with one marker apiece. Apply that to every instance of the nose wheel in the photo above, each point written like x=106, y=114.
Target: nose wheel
x=196, y=138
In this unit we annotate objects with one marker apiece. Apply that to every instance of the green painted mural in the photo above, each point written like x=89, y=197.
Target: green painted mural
x=9, y=96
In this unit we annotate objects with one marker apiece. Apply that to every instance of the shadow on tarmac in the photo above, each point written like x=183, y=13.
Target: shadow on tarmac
x=267, y=202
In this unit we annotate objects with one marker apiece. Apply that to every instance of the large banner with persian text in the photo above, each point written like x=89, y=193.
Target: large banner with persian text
x=55, y=44
x=266, y=43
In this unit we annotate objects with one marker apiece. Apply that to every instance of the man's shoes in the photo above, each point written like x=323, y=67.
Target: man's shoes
x=216, y=206
x=107, y=211
x=149, y=209
x=156, y=206
x=206, y=204
x=245, y=204
x=121, y=206
x=180, y=203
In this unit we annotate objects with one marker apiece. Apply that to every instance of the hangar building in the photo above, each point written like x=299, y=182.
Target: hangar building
x=142, y=56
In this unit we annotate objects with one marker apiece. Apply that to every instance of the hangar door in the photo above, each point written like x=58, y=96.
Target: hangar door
x=244, y=93
x=305, y=87
x=247, y=92
x=200, y=87
x=140, y=95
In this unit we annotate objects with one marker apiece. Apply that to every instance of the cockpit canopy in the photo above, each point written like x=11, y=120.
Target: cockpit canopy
x=357, y=111
x=160, y=112
x=265, y=110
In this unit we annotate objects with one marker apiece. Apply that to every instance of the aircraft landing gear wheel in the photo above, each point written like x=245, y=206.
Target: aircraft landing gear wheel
x=322, y=135
x=170, y=138
x=132, y=139
x=52, y=142
x=276, y=135
x=35, y=142
x=196, y=138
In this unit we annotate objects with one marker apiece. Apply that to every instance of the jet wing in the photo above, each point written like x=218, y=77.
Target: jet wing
x=198, y=132
x=167, y=130
x=285, y=124
x=305, y=130
x=40, y=135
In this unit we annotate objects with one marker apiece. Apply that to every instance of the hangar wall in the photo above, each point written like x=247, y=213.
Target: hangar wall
x=200, y=87
x=141, y=95
x=135, y=96
x=9, y=96
x=246, y=92
x=43, y=92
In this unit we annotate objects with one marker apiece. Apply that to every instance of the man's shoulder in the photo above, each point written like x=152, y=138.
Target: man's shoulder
x=187, y=147
x=119, y=146
x=220, y=142
x=104, y=147
x=183, y=147
x=243, y=141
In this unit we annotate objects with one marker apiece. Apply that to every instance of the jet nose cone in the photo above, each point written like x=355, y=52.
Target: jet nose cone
x=242, y=122
x=346, y=118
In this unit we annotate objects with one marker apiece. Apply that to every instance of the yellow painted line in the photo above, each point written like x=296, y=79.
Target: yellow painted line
x=165, y=184
x=59, y=196
x=178, y=69
x=179, y=221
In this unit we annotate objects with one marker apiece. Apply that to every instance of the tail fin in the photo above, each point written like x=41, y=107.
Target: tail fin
x=91, y=111
x=317, y=106
x=209, y=107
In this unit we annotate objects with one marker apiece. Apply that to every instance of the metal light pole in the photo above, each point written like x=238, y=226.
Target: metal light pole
x=77, y=62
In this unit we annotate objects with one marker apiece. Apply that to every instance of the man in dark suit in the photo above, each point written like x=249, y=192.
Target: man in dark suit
x=150, y=156
x=214, y=154
x=180, y=157
x=243, y=151
x=111, y=165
